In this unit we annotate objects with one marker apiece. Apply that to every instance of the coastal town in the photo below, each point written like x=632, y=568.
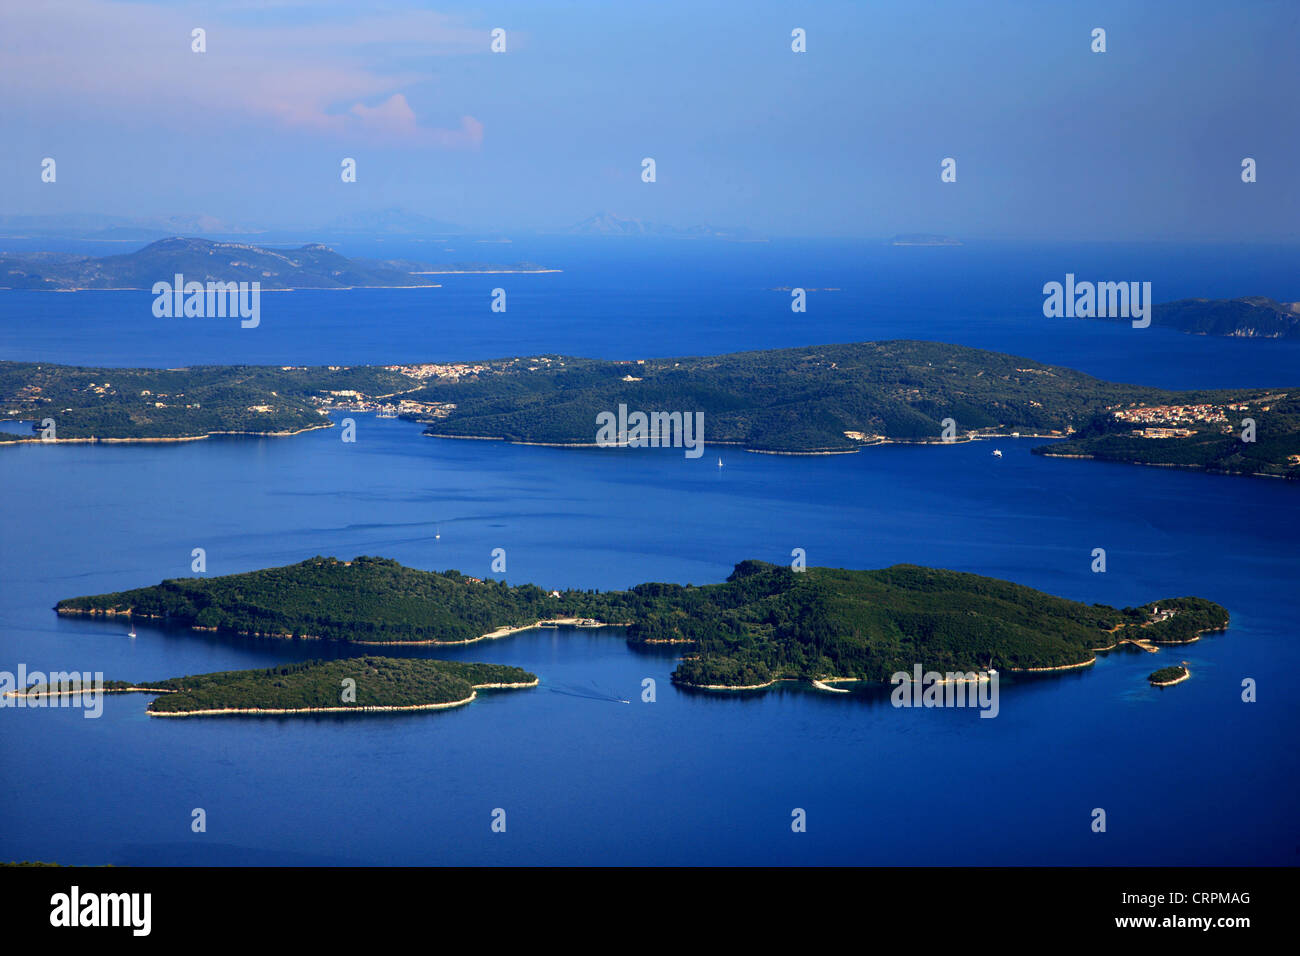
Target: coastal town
x=393, y=405
x=385, y=406
x=1172, y=421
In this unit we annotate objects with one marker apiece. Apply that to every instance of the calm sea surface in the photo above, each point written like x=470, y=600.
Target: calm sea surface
x=632, y=298
x=1188, y=775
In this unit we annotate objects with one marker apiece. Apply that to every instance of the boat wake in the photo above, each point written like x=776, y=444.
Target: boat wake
x=590, y=693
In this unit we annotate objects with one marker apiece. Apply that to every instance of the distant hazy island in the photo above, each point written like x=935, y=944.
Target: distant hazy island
x=609, y=224
x=350, y=685
x=313, y=266
x=814, y=400
x=764, y=623
x=1251, y=317
x=923, y=239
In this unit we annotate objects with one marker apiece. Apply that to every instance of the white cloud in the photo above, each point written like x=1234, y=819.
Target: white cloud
x=334, y=77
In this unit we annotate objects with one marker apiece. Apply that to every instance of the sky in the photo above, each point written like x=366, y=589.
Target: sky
x=1051, y=140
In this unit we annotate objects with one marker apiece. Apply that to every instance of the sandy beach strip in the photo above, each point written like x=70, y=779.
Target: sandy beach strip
x=825, y=684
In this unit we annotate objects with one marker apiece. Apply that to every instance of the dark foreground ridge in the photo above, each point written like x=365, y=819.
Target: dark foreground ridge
x=764, y=623
x=813, y=400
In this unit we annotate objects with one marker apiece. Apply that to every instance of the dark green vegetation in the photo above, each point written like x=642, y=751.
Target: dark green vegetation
x=363, y=600
x=312, y=266
x=1192, y=617
x=367, y=599
x=800, y=400
x=769, y=622
x=829, y=398
x=765, y=622
x=1215, y=445
x=1255, y=317
x=39, y=863
x=1167, y=675
x=114, y=403
x=808, y=399
x=380, y=682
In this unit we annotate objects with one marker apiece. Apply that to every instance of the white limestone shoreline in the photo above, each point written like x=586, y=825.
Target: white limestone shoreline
x=374, y=709
x=582, y=622
x=377, y=708
x=1187, y=675
x=95, y=440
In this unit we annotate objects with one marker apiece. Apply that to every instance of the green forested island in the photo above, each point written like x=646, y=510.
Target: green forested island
x=1166, y=676
x=821, y=399
x=764, y=623
x=350, y=684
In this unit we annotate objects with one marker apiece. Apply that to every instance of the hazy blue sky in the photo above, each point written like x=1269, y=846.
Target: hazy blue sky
x=1051, y=139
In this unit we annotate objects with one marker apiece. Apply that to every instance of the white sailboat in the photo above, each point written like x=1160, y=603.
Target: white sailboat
x=130, y=628
x=997, y=453
x=719, y=462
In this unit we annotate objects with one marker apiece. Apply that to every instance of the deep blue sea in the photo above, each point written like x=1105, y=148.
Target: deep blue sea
x=627, y=298
x=1187, y=775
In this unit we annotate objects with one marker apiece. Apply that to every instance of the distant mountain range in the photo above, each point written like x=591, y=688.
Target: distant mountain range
x=382, y=222
x=392, y=221
x=608, y=224
x=1250, y=317
x=112, y=228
